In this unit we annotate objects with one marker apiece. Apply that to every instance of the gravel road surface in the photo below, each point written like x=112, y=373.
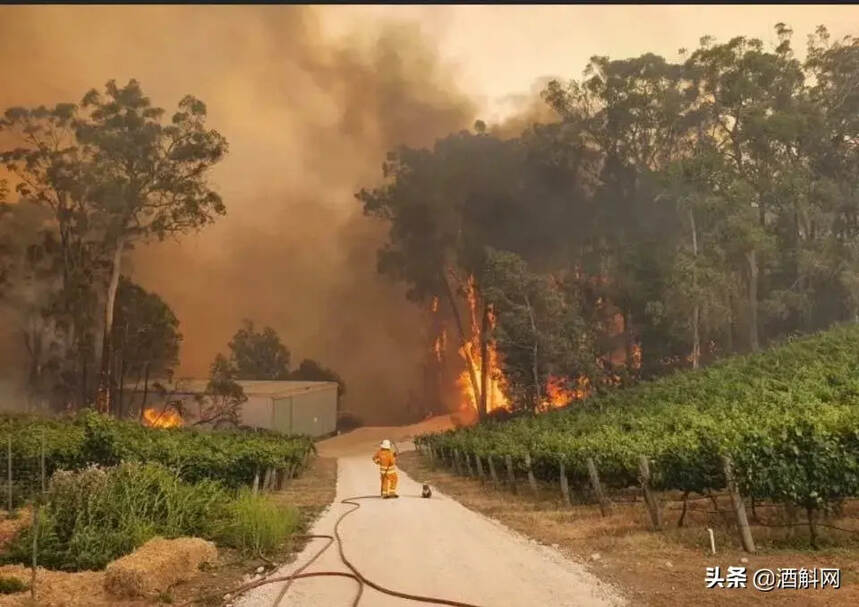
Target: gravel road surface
x=432, y=547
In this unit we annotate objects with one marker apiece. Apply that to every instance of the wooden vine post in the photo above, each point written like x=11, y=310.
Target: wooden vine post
x=511, y=478
x=457, y=464
x=431, y=453
x=605, y=504
x=479, y=468
x=739, y=507
x=468, y=464
x=492, y=472
x=565, y=487
x=649, y=497
x=531, y=480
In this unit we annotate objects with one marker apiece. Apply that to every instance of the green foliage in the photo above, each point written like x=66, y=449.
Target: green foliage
x=145, y=333
x=11, y=585
x=258, y=525
x=232, y=458
x=98, y=514
x=789, y=418
x=258, y=355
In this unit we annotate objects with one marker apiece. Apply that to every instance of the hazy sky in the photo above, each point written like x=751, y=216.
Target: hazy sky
x=310, y=100
x=500, y=50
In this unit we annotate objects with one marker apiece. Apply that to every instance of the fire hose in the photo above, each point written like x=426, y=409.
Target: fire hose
x=353, y=573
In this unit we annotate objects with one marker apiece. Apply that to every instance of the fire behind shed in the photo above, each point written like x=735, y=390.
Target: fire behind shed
x=288, y=407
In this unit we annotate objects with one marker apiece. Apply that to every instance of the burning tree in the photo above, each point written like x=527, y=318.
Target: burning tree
x=445, y=207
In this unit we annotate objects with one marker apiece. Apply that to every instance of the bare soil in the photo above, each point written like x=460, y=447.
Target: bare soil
x=667, y=568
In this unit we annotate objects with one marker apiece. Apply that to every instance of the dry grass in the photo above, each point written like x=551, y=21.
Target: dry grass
x=61, y=589
x=667, y=568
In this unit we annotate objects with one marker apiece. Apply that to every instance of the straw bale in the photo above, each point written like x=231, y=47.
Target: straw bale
x=157, y=565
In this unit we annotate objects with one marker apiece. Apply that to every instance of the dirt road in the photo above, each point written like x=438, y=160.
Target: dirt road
x=430, y=547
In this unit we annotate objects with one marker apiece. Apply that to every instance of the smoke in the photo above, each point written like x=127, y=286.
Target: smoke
x=308, y=119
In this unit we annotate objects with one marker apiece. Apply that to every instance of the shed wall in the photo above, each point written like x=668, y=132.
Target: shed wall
x=313, y=413
x=257, y=412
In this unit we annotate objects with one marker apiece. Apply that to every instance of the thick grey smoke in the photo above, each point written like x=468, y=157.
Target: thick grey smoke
x=308, y=120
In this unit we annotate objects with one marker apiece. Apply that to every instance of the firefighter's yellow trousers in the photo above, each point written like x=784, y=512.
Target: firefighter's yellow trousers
x=389, y=482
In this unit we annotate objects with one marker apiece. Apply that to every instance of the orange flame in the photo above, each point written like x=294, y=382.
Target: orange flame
x=559, y=394
x=435, y=304
x=168, y=418
x=558, y=391
x=495, y=397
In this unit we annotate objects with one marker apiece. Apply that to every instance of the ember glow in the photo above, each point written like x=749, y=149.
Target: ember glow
x=168, y=418
x=560, y=394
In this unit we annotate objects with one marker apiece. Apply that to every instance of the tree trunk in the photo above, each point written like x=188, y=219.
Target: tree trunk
x=535, y=367
x=84, y=378
x=104, y=386
x=121, y=391
x=469, y=363
x=812, y=527
x=752, y=259
x=628, y=336
x=145, y=388
x=696, y=311
x=483, y=409
x=731, y=323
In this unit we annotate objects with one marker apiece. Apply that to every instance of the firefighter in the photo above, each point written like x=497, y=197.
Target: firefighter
x=387, y=461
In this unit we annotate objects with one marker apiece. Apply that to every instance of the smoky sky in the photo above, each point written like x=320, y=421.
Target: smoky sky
x=308, y=120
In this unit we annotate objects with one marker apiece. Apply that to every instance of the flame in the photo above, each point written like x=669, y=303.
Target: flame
x=495, y=398
x=558, y=391
x=435, y=304
x=559, y=394
x=168, y=418
x=636, y=356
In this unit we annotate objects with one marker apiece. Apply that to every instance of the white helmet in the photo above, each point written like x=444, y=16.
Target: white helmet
x=386, y=444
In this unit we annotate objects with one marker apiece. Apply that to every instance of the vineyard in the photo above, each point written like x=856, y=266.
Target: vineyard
x=786, y=421
x=103, y=487
x=232, y=458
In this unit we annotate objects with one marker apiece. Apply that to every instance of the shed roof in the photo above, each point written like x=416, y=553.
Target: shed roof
x=274, y=389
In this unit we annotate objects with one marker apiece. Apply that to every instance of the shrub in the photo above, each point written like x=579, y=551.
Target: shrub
x=96, y=515
x=257, y=524
x=11, y=585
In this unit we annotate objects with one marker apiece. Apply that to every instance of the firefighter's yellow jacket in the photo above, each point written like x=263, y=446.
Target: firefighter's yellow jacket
x=386, y=460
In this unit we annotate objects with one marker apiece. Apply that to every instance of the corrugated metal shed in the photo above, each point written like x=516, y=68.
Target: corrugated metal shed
x=289, y=407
